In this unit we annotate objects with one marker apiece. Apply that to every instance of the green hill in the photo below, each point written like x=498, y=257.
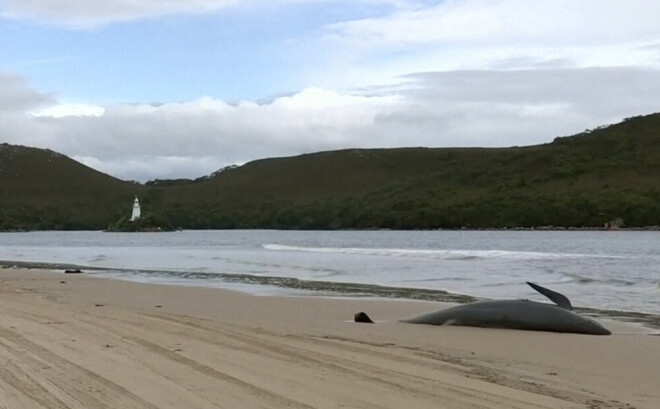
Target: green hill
x=41, y=189
x=586, y=180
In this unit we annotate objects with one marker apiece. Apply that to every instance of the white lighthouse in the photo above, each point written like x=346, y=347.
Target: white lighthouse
x=136, y=210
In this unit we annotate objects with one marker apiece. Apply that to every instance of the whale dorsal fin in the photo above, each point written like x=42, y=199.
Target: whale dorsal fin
x=560, y=299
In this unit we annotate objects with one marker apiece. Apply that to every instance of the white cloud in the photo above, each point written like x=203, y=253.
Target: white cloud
x=193, y=138
x=513, y=22
x=459, y=35
x=62, y=110
x=89, y=13
x=85, y=14
x=486, y=34
x=436, y=109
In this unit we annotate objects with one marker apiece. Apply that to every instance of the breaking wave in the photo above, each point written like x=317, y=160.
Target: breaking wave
x=435, y=254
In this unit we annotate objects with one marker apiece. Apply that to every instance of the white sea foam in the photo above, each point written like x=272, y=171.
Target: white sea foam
x=442, y=254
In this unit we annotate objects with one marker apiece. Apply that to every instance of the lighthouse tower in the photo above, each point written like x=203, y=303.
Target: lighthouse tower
x=136, y=210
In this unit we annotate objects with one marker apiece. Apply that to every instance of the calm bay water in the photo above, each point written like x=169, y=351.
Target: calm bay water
x=604, y=270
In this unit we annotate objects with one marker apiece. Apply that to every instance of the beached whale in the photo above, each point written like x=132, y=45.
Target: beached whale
x=516, y=314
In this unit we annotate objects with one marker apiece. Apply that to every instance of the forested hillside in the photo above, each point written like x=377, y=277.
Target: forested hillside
x=611, y=174
x=41, y=189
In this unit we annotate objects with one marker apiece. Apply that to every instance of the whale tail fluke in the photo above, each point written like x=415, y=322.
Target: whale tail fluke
x=560, y=299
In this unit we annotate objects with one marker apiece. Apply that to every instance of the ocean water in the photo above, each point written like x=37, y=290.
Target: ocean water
x=599, y=270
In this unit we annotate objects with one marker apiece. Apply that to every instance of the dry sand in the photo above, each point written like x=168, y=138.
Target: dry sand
x=76, y=341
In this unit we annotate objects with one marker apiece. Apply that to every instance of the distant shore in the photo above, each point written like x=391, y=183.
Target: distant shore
x=551, y=228
x=535, y=228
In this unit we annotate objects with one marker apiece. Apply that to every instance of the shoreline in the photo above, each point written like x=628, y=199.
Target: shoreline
x=319, y=288
x=463, y=228
x=79, y=341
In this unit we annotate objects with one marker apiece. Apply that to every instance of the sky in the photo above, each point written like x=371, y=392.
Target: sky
x=155, y=89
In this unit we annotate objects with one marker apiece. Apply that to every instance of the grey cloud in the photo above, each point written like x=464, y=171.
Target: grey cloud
x=18, y=95
x=528, y=62
x=602, y=92
x=145, y=167
x=505, y=108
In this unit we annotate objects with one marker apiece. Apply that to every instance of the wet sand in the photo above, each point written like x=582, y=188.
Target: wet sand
x=77, y=341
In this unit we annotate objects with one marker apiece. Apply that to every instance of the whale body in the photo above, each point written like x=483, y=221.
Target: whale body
x=513, y=314
x=516, y=314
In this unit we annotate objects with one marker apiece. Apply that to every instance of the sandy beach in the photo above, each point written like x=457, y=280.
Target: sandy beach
x=78, y=341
